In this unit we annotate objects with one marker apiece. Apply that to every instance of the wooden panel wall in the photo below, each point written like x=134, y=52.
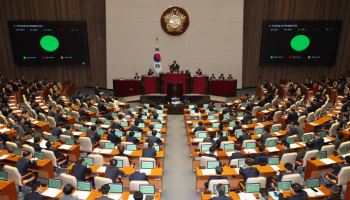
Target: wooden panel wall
x=91, y=11
x=255, y=11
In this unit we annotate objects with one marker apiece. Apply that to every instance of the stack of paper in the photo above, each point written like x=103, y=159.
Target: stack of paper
x=248, y=151
x=260, y=124
x=312, y=193
x=77, y=133
x=293, y=146
x=106, y=151
x=272, y=149
x=51, y=192
x=229, y=154
x=275, y=168
x=116, y=195
x=146, y=171
x=97, y=150
x=208, y=172
x=65, y=146
x=327, y=161
x=89, y=123
x=237, y=170
x=105, y=126
x=127, y=152
x=244, y=126
x=198, y=139
x=326, y=140
x=81, y=194
x=4, y=130
x=277, y=133
x=246, y=196
x=4, y=156
x=101, y=169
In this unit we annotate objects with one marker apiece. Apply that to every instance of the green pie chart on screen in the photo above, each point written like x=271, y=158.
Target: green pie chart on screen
x=49, y=43
x=300, y=43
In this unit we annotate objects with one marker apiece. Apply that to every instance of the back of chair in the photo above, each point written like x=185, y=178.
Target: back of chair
x=126, y=162
x=310, y=117
x=234, y=162
x=318, y=113
x=63, y=138
x=52, y=122
x=276, y=116
x=77, y=126
x=46, y=135
x=223, y=143
x=329, y=148
x=28, y=148
x=14, y=174
x=344, y=144
x=97, y=158
x=85, y=144
x=343, y=176
x=261, y=180
x=244, y=144
x=51, y=156
x=308, y=155
x=66, y=178
x=301, y=120
x=333, y=129
x=76, y=116
x=135, y=185
x=215, y=182
x=95, y=109
x=99, y=181
x=294, y=178
x=255, y=110
x=270, y=139
x=204, y=160
x=42, y=116
x=289, y=158
x=11, y=145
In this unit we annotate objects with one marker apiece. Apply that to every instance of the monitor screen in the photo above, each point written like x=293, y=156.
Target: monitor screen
x=275, y=128
x=108, y=122
x=124, y=124
x=273, y=161
x=201, y=134
x=232, y=123
x=216, y=124
x=240, y=114
x=109, y=145
x=284, y=185
x=69, y=141
x=291, y=140
x=147, y=165
x=115, y=188
x=271, y=143
x=141, y=125
x=55, y=183
x=158, y=126
x=93, y=119
x=131, y=147
x=4, y=176
x=252, y=187
x=83, y=186
x=118, y=133
x=307, y=137
x=159, y=111
x=251, y=145
x=258, y=131
x=241, y=162
x=100, y=131
x=88, y=161
x=137, y=134
x=39, y=155
x=322, y=154
x=205, y=147
x=229, y=147
x=303, y=43
x=83, y=129
x=211, y=117
x=323, y=133
x=38, y=43
x=212, y=164
x=147, y=189
x=156, y=147
x=238, y=133
x=119, y=163
x=17, y=151
x=52, y=138
x=313, y=183
x=343, y=150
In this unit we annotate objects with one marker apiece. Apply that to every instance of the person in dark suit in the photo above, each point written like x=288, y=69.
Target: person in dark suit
x=138, y=195
x=210, y=138
x=82, y=112
x=297, y=190
x=115, y=125
x=59, y=156
x=221, y=191
x=199, y=72
x=139, y=119
x=33, y=195
x=266, y=134
x=36, y=144
x=80, y=171
x=93, y=135
x=24, y=163
x=261, y=157
x=238, y=154
x=113, y=172
x=292, y=116
x=154, y=139
x=150, y=72
x=174, y=67
x=135, y=127
x=221, y=136
x=211, y=153
x=121, y=150
x=130, y=138
x=339, y=140
x=236, y=127
x=104, y=190
x=289, y=170
x=113, y=138
x=57, y=131
x=244, y=136
x=218, y=171
x=149, y=151
x=317, y=142
x=200, y=127
x=248, y=118
x=249, y=171
x=137, y=176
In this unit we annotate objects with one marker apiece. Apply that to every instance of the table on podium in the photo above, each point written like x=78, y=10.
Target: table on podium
x=225, y=88
x=126, y=87
x=166, y=78
x=149, y=84
x=199, y=84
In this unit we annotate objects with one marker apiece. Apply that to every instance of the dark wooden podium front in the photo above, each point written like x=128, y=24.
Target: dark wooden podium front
x=126, y=87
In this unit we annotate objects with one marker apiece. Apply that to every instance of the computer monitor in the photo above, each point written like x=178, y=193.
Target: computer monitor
x=158, y=126
x=17, y=151
x=307, y=138
x=88, y=161
x=259, y=131
x=241, y=162
x=69, y=141
x=124, y=124
x=108, y=145
x=131, y=147
x=252, y=187
x=55, y=183
x=232, y=123
x=284, y=185
x=229, y=147
x=159, y=111
x=212, y=164
x=211, y=117
x=205, y=147
x=144, y=117
x=83, y=186
x=290, y=140
x=275, y=129
x=118, y=133
x=160, y=117
x=137, y=134
x=159, y=135
x=227, y=116
x=343, y=150
x=114, y=114
x=251, y=145
x=108, y=122
x=83, y=129
x=156, y=147
x=146, y=105
x=100, y=131
x=323, y=133
x=227, y=188
x=313, y=183
x=201, y=134
x=224, y=133
x=4, y=176
x=115, y=188
x=119, y=163
x=191, y=106
x=147, y=165
x=322, y=154
x=240, y=114
x=205, y=105
x=216, y=125
x=39, y=155
x=147, y=189
x=273, y=160
x=52, y=138
x=239, y=133
x=141, y=125
x=271, y=143
x=93, y=119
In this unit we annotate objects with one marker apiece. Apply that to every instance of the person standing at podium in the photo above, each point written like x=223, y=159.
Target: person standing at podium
x=174, y=68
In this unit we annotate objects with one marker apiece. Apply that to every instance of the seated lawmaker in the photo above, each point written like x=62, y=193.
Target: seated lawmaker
x=121, y=150
x=59, y=156
x=36, y=144
x=80, y=171
x=211, y=153
x=261, y=157
x=220, y=188
x=199, y=72
x=221, y=77
x=249, y=171
x=154, y=139
x=113, y=138
x=114, y=172
x=130, y=138
x=149, y=151
x=218, y=171
x=24, y=163
x=34, y=194
x=338, y=167
x=298, y=193
x=200, y=127
x=93, y=135
x=289, y=170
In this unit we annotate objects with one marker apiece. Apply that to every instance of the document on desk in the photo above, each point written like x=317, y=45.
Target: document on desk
x=106, y=151
x=327, y=161
x=206, y=172
x=229, y=153
x=81, y=194
x=97, y=150
x=244, y=126
x=77, y=133
x=35, y=122
x=51, y=192
x=272, y=149
x=4, y=130
x=116, y=195
x=312, y=193
x=260, y=124
x=43, y=144
x=277, y=133
x=246, y=196
x=3, y=157
x=248, y=151
x=326, y=140
x=198, y=139
x=275, y=168
x=146, y=171
x=65, y=146
x=127, y=152
x=105, y=126
x=210, y=129
x=101, y=169
x=89, y=123
x=293, y=146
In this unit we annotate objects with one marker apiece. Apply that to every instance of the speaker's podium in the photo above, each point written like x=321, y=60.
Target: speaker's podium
x=175, y=93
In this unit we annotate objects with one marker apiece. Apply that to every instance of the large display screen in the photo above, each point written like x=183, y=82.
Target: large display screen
x=299, y=42
x=49, y=43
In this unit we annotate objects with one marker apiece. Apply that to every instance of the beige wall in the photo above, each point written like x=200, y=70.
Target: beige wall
x=213, y=40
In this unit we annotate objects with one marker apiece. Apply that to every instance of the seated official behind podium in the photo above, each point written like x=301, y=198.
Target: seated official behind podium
x=150, y=72
x=80, y=170
x=153, y=138
x=174, y=68
x=220, y=188
x=199, y=72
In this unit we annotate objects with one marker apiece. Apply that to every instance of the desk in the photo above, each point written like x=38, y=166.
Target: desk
x=149, y=84
x=225, y=88
x=126, y=87
x=227, y=171
x=8, y=190
x=309, y=127
x=166, y=78
x=199, y=84
x=314, y=167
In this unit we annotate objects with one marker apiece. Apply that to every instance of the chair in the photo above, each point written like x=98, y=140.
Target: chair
x=318, y=113
x=97, y=158
x=126, y=162
x=301, y=120
x=310, y=117
x=225, y=142
x=270, y=139
x=333, y=129
x=77, y=126
x=99, y=181
x=308, y=155
x=11, y=145
x=46, y=135
x=204, y=160
x=244, y=144
x=85, y=144
x=66, y=178
x=76, y=115
x=52, y=122
x=42, y=117
x=255, y=110
x=214, y=182
x=102, y=142
x=51, y=156
x=33, y=114
x=85, y=106
x=309, y=133
x=339, y=179
x=329, y=148
x=14, y=174
x=78, y=102
x=28, y=148
x=344, y=144
x=148, y=160
x=289, y=158
x=261, y=180
x=135, y=185
x=294, y=178
x=63, y=138
x=95, y=109
x=234, y=162
x=277, y=116
x=267, y=106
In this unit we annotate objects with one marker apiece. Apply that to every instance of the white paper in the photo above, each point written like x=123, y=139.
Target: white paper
x=4, y=130
x=327, y=161
x=116, y=195
x=237, y=170
x=260, y=124
x=101, y=169
x=246, y=196
x=229, y=153
x=248, y=151
x=244, y=126
x=127, y=152
x=208, y=172
x=105, y=126
x=43, y=144
x=293, y=146
x=198, y=139
x=213, y=121
x=106, y=151
x=272, y=149
x=65, y=146
x=97, y=150
x=275, y=168
x=277, y=133
x=326, y=140
x=77, y=133
x=89, y=123
x=4, y=156
x=81, y=194
x=51, y=192
x=210, y=129
x=146, y=171
x=312, y=193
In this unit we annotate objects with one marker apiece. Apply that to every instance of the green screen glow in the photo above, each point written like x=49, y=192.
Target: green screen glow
x=49, y=43
x=300, y=43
